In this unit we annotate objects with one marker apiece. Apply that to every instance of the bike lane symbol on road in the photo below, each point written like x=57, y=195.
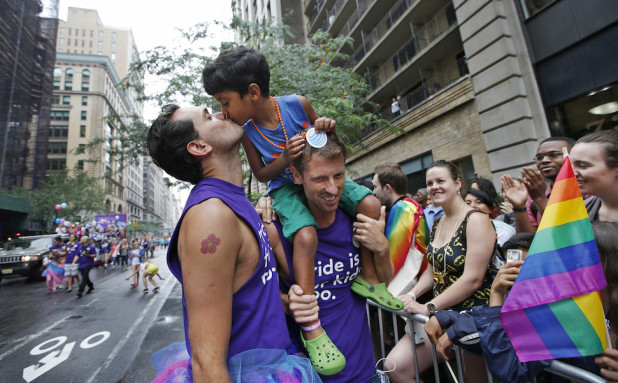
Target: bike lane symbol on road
x=56, y=357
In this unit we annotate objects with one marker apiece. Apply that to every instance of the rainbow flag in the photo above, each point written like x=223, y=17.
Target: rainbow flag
x=554, y=308
x=406, y=223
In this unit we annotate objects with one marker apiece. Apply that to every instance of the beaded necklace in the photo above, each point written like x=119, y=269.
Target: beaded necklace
x=281, y=145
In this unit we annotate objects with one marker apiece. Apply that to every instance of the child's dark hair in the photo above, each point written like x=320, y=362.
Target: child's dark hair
x=167, y=145
x=521, y=240
x=234, y=70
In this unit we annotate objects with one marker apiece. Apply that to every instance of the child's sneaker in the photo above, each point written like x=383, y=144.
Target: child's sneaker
x=54, y=291
x=48, y=291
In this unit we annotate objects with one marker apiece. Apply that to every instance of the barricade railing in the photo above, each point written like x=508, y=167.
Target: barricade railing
x=556, y=367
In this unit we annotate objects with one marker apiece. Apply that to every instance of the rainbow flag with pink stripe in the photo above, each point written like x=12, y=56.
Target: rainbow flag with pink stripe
x=406, y=224
x=554, y=309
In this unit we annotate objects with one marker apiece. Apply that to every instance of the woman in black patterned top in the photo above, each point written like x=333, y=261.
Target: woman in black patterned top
x=461, y=247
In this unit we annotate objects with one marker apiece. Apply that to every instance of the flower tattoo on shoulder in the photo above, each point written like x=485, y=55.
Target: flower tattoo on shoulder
x=209, y=245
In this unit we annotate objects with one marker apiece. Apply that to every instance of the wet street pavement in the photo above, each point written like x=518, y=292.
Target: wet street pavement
x=107, y=336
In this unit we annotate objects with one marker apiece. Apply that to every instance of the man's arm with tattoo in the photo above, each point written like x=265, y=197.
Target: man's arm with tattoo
x=208, y=249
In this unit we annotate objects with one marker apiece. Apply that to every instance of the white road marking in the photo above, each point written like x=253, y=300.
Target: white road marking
x=129, y=334
x=33, y=336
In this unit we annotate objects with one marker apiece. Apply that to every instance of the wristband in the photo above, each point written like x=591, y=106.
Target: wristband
x=312, y=327
x=520, y=209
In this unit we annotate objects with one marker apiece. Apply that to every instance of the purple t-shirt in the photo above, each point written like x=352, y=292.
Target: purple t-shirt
x=342, y=312
x=72, y=250
x=258, y=320
x=85, y=260
x=294, y=120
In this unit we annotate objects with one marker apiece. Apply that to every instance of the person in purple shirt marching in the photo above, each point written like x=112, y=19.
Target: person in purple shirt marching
x=221, y=255
x=71, y=250
x=87, y=254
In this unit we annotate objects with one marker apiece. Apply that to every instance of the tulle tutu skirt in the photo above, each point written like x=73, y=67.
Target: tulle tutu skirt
x=252, y=366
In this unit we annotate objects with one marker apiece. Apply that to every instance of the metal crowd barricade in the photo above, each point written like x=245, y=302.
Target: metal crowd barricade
x=575, y=374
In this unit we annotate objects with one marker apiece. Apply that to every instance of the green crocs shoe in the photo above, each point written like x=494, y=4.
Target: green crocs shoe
x=377, y=293
x=324, y=355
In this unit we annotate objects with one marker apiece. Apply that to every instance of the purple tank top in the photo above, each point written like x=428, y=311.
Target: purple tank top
x=258, y=320
x=342, y=312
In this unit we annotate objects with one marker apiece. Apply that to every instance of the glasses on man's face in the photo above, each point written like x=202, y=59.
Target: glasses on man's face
x=551, y=155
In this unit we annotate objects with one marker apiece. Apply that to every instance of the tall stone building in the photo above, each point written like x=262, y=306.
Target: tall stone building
x=273, y=11
x=89, y=104
x=27, y=53
x=412, y=55
x=478, y=82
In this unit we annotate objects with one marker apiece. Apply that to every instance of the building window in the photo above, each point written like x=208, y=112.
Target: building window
x=60, y=115
x=77, y=32
x=100, y=44
x=80, y=164
x=84, y=114
x=60, y=50
x=91, y=32
x=62, y=30
x=69, y=31
x=90, y=44
x=57, y=148
x=84, y=100
x=100, y=34
x=81, y=148
x=66, y=100
x=113, y=45
x=83, y=42
x=85, y=86
x=61, y=41
x=113, y=56
x=82, y=130
x=114, y=36
x=531, y=7
x=57, y=72
x=68, y=72
x=83, y=33
x=75, y=43
x=69, y=43
x=56, y=85
x=99, y=53
x=86, y=73
x=58, y=131
x=55, y=99
x=68, y=85
x=56, y=164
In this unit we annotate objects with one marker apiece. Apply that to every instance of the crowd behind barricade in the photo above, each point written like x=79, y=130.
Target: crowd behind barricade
x=70, y=261
x=447, y=254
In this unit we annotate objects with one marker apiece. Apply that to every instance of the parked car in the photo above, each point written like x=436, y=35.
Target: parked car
x=23, y=256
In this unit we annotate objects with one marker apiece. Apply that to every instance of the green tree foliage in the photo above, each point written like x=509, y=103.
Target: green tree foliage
x=146, y=227
x=83, y=195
